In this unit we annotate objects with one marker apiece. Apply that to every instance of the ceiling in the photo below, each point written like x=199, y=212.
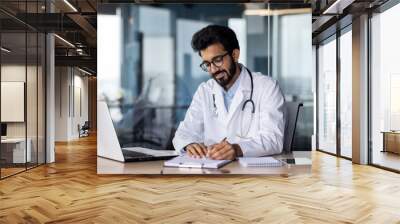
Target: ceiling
x=75, y=22
x=332, y=15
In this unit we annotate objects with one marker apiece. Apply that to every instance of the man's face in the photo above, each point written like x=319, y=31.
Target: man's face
x=216, y=53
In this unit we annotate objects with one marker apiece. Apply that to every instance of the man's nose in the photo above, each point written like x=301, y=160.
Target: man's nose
x=213, y=68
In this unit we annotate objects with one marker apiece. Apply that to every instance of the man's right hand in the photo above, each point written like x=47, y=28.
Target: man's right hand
x=196, y=150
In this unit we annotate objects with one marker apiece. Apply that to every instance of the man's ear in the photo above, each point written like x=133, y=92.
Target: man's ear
x=236, y=54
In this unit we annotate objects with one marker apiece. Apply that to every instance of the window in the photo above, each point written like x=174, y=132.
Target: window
x=335, y=137
x=327, y=96
x=346, y=94
x=385, y=89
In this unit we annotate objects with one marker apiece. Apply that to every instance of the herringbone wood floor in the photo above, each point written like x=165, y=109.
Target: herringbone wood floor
x=70, y=191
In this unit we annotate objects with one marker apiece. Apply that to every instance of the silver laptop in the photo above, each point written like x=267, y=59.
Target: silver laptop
x=109, y=147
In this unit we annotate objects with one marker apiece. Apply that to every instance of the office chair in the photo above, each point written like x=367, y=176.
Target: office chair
x=291, y=110
x=84, y=130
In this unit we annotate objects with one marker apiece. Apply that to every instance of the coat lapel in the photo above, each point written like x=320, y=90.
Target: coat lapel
x=242, y=94
x=219, y=102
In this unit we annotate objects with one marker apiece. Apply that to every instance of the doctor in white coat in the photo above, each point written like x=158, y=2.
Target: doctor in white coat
x=237, y=112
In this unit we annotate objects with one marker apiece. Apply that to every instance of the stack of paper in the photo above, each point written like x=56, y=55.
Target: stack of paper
x=186, y=161
x=260, y=162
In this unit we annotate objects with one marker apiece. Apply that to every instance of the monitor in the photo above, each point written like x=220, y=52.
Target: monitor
x=3, y=129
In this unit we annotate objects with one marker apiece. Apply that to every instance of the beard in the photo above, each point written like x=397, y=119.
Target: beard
x=224, y=77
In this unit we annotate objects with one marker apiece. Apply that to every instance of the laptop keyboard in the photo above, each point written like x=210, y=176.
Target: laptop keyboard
x=133, y=154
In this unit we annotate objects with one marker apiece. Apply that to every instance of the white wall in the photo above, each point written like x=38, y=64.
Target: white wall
x=71, y=87
x=14, y=73
x=79, y=117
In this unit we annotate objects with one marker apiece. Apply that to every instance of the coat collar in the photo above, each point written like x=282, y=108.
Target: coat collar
x=244, y=82
x=243, y=91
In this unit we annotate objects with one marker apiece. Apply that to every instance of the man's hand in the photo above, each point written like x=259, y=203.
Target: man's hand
x=224, y=150
x=196, y=150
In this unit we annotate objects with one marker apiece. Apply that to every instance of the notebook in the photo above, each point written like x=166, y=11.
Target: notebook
x=188, y=162
x=260, y=162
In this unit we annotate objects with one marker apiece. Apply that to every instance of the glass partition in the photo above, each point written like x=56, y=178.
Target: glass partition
x=14, y=151
x=31, y=99
x=292, y=65
x=22, y=89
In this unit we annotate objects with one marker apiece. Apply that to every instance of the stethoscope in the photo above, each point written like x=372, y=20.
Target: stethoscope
x=248, y=101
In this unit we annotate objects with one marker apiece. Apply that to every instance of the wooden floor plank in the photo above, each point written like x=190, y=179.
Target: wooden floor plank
x=70, y=191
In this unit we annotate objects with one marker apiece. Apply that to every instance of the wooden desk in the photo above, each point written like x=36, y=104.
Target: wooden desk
x=107, y=166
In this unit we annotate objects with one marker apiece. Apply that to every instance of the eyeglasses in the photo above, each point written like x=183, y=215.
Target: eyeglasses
x=217, y=61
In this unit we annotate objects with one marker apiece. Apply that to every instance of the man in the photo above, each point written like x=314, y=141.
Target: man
x=237, y=112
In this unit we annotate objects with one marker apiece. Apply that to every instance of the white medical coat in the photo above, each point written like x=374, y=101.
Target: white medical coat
x=204, y=123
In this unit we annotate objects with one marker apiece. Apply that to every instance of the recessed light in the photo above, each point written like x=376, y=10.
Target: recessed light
x=70, y=5
x=64, y=40
x=5, y=50
x=84, y=71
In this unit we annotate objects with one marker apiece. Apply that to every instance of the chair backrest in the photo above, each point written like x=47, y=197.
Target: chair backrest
x=291, y=114
x=86, y=125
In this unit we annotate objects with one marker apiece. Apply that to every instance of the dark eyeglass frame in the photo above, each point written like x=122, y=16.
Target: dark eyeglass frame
x=217, y=61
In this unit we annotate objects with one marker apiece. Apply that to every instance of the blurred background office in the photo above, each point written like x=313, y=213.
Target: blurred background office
x=148, y=72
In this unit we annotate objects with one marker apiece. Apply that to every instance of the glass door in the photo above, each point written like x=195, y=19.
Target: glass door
x=14, y=153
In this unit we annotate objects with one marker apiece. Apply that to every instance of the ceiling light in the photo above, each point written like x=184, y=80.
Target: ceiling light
x=331, y=7
x=65, y=41
x=70, y=5
x=257, y=12
x=275, y=12
x=337, y=7
x=5, y=50
x=84, y=71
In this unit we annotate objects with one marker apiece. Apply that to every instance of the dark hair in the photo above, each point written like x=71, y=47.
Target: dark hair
x=213, y=34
